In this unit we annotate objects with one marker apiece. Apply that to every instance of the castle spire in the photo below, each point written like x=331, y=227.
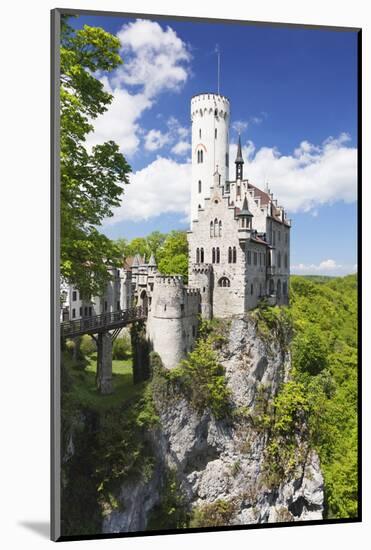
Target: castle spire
x=152, y=261
x=239, y=160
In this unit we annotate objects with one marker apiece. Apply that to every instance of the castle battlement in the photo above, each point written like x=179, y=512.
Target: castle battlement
x=193, y=291
x=169, y=280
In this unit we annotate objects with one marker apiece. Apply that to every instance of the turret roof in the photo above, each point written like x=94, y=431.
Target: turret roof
x=239, y=157
x=245, y=209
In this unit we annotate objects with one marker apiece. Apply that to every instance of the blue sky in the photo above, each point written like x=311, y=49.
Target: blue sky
x=293, y=94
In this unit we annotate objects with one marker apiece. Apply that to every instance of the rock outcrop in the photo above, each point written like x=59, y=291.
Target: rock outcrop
x=224, y=460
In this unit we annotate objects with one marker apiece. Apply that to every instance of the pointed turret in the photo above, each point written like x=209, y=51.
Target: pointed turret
x=152, y=261
x=239, y=162
x=136, y=260
x=245, y=210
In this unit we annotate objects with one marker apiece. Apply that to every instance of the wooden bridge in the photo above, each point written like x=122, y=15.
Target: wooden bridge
x=104, y=322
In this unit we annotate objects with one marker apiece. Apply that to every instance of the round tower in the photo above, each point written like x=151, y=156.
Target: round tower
x=210, y=115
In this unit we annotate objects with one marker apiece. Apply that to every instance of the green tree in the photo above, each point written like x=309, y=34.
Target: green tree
x=173, y=255
x=91, y=182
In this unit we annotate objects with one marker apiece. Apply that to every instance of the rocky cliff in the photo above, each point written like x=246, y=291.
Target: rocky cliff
x=222, y=468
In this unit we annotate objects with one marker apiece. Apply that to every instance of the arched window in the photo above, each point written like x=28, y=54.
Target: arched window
x=286, y=262
x=227, y=159
x=215, y=227
x=199, y=132
x=199, y=207
x=230, y=255
x=234, y=255
x=199, y=186
x=198, y=157
x=201, y=156
x=211, y=228
x=197, y=255
x=202, y=255
x=220, y=228
x=216, y=112
x=252, y=289
x=279, y=259
x=284, y=289
x=224, y=282
x=271, y=286
x=218, y=255
x=216, y=133
x=213, y=256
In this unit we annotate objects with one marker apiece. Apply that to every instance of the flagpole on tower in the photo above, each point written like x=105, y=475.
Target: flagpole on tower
x=218, y=52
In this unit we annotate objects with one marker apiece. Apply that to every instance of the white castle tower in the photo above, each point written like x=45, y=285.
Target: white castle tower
x=210, y=115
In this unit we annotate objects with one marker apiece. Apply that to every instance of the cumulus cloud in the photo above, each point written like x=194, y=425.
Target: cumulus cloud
x=155, y=139
x=326, y=267
x=311, y=176
x=155, y=60
x=161, y=187
x=181, y=148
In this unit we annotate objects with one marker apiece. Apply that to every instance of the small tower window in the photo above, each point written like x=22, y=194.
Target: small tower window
x=201, y=156
x=211, y=228
x=227, y=160
x=234, y=255
x=213, y=256
x=218, y=255
x=215, y=227
x=202, y=255
x=216, y=133
x=74, y=296
x=220, y=228
x=199, y=133
x=224, y=282
x=230, y=255
x=216, y=112
x=197, y=256
x=73, y=313
x=199, y=186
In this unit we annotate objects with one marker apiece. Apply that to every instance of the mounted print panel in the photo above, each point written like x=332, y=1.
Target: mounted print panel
x=205, y=298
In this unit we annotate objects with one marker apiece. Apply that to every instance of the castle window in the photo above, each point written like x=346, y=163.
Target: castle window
x=197, y=255
x=199, y=186
x=274, y=238
x=218, y=255
x=73, y=313
x=201, y=156
x=255, y=258
x=216, y=112
x=199, y=207
x=249, y=257
x=229, y=255
x=202, y=255
x=284, y=288
x=181, y=307
x=216, y=133
x=117, y=307
x=211, y=228
x=199, y=133
x=220, y=228
x=213, y=256
x=105, y=306
x=193, y=331
x=227, y=160
x=252, y=289
x=215, y=227
x=74, y=296
x=286, y=261
x=86, y=311
x=279, y=259
x=224, y=282
x=234, y=254
x=80, y=311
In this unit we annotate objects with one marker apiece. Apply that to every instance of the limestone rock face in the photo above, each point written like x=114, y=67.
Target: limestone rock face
x=224, y=460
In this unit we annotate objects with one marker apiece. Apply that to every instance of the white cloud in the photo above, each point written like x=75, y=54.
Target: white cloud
x=161, y=187
x=181, y=148
x=326, y=267
x=155, y=60
x=310, y=177
x=155, y=139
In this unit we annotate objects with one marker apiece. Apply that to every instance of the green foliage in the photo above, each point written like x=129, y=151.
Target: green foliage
x=325, y=362
x=173, y=255
x=216, y=514
x=274, y=323
x=121, y=348
x=202, y=377
x=91, y=182
x=87, y=345
x=172, y=512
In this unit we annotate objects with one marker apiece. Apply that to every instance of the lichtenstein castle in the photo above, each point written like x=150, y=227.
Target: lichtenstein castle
x=239, y=247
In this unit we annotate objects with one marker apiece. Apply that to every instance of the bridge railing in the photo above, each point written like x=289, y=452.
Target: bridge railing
x=104, y=321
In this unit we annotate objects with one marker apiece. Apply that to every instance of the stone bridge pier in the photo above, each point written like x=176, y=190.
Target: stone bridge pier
x=104, y=363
